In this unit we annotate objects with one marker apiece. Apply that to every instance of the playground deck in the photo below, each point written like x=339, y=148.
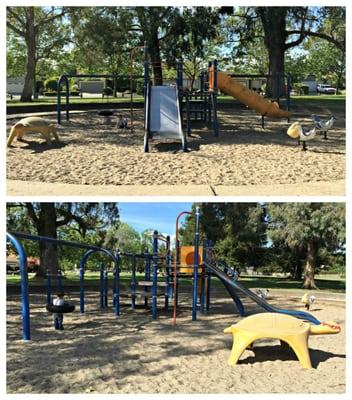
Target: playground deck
x=98, y=354
x=244, y=156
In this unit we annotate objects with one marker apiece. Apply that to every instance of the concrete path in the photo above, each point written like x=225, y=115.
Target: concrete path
x=32, y=188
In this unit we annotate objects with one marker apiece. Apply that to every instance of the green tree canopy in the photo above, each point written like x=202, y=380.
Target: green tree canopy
x=309, y=226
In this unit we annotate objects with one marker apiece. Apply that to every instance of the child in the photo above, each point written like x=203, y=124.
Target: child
x=59, y=317
x=122, y=122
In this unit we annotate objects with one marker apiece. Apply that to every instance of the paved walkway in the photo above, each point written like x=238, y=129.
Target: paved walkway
x=32, y=188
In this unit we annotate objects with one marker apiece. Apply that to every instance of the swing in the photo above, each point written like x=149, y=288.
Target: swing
x=64, y=309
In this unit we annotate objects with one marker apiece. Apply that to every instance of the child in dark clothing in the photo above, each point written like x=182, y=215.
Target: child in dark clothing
x=59, y=317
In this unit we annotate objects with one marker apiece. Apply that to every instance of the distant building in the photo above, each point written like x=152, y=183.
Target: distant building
x=14, y=86
x=311, y=82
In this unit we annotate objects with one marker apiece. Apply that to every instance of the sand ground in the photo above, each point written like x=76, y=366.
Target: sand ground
x=93, y=152
x=98, y=354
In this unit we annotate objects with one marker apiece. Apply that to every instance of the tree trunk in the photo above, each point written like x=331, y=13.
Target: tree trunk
x=312, y=251
x=46, y=226
x=30, y=38
x=274, y=25
x=155, y=58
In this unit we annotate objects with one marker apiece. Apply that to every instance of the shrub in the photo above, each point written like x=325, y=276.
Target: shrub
x=39, y=86
x=301, y=89
x=107, y=91
x=139, y=86
x=122, y=83
x=53, y=93
x=51, y=84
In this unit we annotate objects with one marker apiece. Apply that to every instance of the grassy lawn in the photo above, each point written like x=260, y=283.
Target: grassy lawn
x=327, y=100
x=331, y=284
x=73, y=100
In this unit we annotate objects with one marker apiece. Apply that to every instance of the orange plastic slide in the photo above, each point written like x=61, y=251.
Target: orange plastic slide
x=250, y=98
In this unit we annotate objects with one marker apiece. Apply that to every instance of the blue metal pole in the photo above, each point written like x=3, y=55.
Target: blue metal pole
x=59, y=281
x=67, y=99
x=101, y=286
x=209, y=102
x=202, y=287
x=215, y=101
x=146, y=70
x=24, y=285
x=196, y=262
x=146, y=276
x=288, y=94
x=133, y=284
x=116, y=285
x=58, y=107
x=209, y=244
x=155, y=275
x=48, y=287
x=81, y=285
x=106, y=277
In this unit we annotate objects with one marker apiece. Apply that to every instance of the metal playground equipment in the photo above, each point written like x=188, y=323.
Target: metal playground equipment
x=194, y=261
x=170, y=108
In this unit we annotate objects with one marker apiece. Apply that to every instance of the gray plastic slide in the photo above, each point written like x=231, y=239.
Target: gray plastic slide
x=235, y=285
x=165, y=118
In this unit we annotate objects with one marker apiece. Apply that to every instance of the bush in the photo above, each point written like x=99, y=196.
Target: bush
x=39, y=86
x=139, y=86
x=74, y=93
x=50, y=93
x=51, y=84
x=122, y=83
x=107, y=92
x=53, y=93
x=301, y=89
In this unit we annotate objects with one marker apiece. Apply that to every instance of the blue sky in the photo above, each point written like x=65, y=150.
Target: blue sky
x=159, y=216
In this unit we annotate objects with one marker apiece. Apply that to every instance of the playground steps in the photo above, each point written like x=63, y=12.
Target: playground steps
x=149, y=283
x=140, y=294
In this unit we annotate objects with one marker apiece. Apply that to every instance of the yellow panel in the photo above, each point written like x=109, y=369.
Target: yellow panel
x=187, y=259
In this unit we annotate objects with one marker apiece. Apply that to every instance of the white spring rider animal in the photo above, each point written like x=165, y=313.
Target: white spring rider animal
x=302, y=134
x=262, y=293
x=308, y=300
x=323, y=126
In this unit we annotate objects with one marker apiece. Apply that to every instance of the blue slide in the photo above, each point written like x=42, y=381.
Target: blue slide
x=234, y=286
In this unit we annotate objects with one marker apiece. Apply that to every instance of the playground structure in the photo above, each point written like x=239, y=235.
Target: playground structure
x=197, y=262
x=168, y=108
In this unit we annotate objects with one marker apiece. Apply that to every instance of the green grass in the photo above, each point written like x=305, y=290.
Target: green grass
x=73, y=100
x=313, y=100
x=92, y=279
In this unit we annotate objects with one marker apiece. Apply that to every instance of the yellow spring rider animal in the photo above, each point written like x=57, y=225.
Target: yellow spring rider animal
x=33, y=124
x=286, y=328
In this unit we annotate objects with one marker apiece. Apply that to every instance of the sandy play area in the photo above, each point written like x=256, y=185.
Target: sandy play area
x=98, y=354
x=93, y=152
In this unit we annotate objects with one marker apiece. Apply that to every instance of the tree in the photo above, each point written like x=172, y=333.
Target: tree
x=46, y=219
x=102, y=39
x=237, y=231
x=168, y=32
x=284, y=28
x=326, y=62
x=42, y=31
x=311, y=226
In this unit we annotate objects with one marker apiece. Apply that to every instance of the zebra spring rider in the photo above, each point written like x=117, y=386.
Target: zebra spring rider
x=323, y=126
x=302, y=134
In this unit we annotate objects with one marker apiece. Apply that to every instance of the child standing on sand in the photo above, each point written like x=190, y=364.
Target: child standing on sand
x=59, y=317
